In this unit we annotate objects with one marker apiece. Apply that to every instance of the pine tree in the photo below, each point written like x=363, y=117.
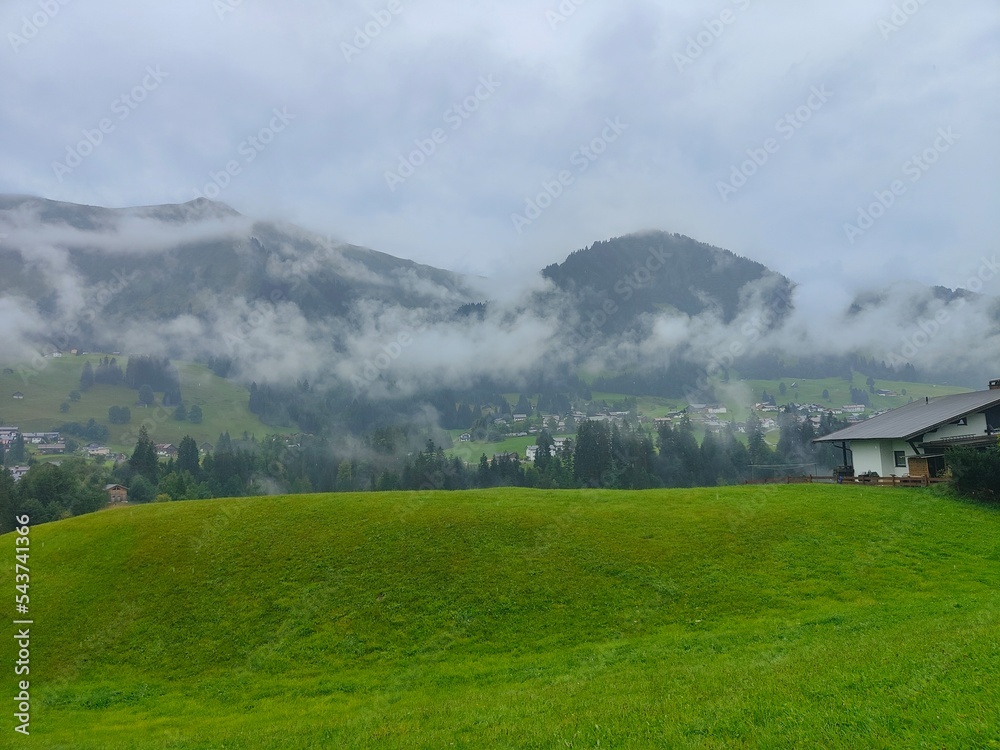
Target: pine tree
x=143, y=460
x=187, y=457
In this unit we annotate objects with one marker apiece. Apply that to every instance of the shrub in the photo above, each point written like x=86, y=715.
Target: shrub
x=976, y=473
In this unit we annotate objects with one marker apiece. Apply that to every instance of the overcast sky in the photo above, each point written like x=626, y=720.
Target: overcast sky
x=667, y=99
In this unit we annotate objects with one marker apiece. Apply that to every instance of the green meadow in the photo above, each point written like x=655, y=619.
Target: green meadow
x=223, y=403
x=749, y=617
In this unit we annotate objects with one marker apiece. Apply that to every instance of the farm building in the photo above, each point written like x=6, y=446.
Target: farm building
x=117, y=493
x=913, y=439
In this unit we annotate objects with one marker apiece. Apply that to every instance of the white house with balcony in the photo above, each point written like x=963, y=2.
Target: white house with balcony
x=913, y=439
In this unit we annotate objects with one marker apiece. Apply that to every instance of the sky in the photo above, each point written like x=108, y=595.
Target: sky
x=844, y=144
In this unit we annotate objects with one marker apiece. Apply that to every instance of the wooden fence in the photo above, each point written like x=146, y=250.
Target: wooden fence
x=875, y=481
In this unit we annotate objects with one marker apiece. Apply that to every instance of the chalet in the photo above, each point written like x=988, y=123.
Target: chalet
x=18, y=472
x=117, y=494
x=853, y=408
x=914, y=439
x=520, y=417
x=51, y=449
x=18, y=395
x=166, y=450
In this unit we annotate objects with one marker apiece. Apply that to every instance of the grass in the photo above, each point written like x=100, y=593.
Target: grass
x=223, y=403
x=811, y=391
x=762, y=617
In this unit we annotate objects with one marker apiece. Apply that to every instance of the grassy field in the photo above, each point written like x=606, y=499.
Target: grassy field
x=764, y=617
x=811, y=391
x=223, y=403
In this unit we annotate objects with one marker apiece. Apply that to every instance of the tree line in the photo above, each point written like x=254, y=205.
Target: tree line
x=602, y=455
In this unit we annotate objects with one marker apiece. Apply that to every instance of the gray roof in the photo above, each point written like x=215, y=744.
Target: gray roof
x=911, y=421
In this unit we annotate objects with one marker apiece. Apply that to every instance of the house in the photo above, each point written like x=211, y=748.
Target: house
x=18, y=395
x=853, y=408
x=117, y=494
x=18, y=472
x=914, y=439
x=520, y=417
x=166, y=450
x=51, y=449
x=206, y=448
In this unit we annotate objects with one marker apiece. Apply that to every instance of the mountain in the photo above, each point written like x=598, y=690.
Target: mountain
x=180, y=259
x=652, y=273
x=201, y=281
x=196, y=280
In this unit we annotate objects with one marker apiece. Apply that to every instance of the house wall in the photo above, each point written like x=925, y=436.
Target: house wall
x=866, y=456
x=879, y=456
x=976, y=426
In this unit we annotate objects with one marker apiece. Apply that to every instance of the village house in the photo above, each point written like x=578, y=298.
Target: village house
x=18, y=472
x=18, y=395
x=166, y=450
x=37, y=438
x=913, y=440
x=853, y=408
x=117, y=494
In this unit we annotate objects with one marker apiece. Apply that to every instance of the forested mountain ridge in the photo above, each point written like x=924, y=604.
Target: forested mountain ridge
x=651, y=272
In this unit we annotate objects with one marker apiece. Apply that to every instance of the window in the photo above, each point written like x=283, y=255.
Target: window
x=962, y=422
x=900, y=458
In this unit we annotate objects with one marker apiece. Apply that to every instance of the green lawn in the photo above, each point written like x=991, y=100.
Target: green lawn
x=752, y=617
x=223, y=403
